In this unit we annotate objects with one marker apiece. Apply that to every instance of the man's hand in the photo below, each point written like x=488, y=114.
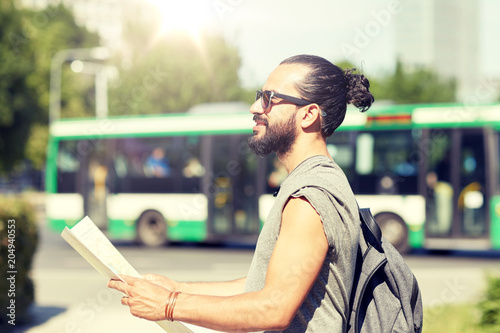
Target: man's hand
x=162, y=281
x=146, y=299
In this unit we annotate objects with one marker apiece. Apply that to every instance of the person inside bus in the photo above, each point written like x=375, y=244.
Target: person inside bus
x=440, y=192
x=157, y=164
x=301, y=275
x=193, y=168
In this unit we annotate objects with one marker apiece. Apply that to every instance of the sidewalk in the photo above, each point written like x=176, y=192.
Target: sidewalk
x=92, y=309
x=89, y=318
x=106, y=319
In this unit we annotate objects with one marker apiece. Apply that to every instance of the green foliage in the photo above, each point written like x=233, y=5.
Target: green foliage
x=416, y=85
x=36, y=146
x=409, y=85
x=58, y=31
x=170, y=72
x=17, y=96
x=490, y=304
x=451, y=318
x=16, y=214
x=28, y=41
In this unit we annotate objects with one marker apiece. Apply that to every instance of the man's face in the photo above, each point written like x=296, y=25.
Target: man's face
x=278, y=137
x=275, y=129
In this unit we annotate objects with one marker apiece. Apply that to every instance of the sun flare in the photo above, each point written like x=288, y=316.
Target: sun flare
x=184, y=16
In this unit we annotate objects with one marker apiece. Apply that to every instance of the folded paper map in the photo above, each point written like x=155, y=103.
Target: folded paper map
x=86, y=238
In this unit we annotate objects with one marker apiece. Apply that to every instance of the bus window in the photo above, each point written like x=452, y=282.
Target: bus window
x=364, y=154
x=68, y=165
x=191, y=157
x=387, y=162
x=471, y=203
x=191, y=165
x=221, y=184
x=439, y=201
x=157, y=164
x=342, y=150
x=275, y=173
x=148, y=165
x=96, y=184
x=244, y=173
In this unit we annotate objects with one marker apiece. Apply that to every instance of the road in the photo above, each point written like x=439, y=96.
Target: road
x=72, y=297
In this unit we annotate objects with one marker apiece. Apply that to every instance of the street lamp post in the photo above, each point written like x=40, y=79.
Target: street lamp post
x=96, y=53
x=102, y=74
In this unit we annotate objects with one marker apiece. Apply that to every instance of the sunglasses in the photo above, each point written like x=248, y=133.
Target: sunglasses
x=266, y=96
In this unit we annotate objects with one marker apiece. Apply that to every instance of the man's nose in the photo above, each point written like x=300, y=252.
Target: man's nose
x=256, y=108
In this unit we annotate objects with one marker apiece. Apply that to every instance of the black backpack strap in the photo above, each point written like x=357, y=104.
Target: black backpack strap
x=413, y=303
x=372, y=227
x=414, y=295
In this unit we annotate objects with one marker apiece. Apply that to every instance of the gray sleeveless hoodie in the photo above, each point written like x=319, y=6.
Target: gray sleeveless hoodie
x=321, y=181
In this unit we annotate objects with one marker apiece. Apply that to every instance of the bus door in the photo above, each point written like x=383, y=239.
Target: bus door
x=95, y=176
x=472, y=201
x=231, y=187
x=457, y=189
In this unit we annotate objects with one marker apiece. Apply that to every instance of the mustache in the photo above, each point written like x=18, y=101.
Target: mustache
x=260, y=119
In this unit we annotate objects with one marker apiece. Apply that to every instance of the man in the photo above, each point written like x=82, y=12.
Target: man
x=157, y=164
x=301, y=276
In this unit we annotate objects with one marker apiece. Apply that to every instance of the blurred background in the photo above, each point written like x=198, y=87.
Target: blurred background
x=135, y=113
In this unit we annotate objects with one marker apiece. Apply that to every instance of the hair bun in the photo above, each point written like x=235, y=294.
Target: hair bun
x=358, y=93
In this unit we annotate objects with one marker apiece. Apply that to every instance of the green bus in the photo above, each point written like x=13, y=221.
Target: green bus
x=429, y=173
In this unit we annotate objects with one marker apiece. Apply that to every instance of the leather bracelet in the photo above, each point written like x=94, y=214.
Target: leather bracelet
x=167, y=305
x=170, y=315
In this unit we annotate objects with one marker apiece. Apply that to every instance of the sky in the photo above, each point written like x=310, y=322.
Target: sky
x=268, y=31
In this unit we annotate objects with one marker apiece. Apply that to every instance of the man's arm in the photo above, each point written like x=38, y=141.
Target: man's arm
x=223, y=288
x=294, y=266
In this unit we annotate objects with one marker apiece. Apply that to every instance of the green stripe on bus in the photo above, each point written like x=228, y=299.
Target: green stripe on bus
x=495, y=222
x=155, y=134
x=416, y=236
x=186, y=231
x=58, y=225
x=121, y=229
x=51, y=168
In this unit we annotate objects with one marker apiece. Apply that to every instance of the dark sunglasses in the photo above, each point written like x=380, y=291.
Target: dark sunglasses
x=266, y=96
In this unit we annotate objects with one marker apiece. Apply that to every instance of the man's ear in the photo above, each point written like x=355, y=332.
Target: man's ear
x=311, y=117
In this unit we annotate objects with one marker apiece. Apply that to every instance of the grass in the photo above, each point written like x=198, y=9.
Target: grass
x=459, y=318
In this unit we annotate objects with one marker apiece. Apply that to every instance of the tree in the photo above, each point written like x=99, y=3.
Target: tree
x=58, y=31
x=173, y=72
x=18, y=98
x=28, y=40
x=410, y=86
x=417, y=85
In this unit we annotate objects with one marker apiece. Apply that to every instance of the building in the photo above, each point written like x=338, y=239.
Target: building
x=442, y=35
x=107, y=18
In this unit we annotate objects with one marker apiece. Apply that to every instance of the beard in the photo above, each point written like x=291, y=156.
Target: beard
x=278, y=138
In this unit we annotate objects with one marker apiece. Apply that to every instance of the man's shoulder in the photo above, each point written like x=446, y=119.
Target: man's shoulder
x=320, y=172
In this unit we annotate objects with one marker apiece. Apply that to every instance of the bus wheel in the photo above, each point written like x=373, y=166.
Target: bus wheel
x=151, y=229
x=394, y=230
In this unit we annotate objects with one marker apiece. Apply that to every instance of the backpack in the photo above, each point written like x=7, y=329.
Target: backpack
x=385, y=295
